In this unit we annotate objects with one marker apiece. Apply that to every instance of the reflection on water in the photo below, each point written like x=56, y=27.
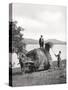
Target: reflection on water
x=55, y=49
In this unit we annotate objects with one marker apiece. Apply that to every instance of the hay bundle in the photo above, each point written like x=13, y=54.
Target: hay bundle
x=40, y=59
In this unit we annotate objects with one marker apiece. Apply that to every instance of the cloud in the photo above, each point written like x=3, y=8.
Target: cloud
x=36, y=20
x=34, y=28
x=48, y=16
x=31, y=25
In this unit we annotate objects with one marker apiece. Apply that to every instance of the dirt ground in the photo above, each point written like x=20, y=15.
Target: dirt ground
x=46, y=77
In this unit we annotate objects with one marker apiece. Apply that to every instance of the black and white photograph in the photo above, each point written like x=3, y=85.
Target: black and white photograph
x=37, y=44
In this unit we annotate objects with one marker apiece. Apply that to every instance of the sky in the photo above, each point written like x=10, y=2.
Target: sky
x=37, y=19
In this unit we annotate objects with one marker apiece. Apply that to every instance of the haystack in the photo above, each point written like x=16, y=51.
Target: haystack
x=39, y=57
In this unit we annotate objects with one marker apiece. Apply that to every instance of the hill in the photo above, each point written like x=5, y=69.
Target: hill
x=33, y=41
x=30, y=41
x=54, y=41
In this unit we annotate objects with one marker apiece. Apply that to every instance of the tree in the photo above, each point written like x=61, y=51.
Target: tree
x=15, y=37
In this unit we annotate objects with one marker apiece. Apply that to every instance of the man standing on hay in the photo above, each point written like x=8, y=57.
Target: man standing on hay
x=41, y=42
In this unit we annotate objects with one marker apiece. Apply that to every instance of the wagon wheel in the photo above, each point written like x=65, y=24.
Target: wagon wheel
x=46, y=67
x=31, y=67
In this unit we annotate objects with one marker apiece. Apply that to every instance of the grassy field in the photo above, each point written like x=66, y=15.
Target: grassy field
x=51, y=76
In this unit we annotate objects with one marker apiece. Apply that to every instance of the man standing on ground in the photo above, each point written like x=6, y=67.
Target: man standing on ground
x=21, y=61
x=58, y=59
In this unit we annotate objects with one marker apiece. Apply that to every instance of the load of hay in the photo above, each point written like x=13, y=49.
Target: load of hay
x=40, y=58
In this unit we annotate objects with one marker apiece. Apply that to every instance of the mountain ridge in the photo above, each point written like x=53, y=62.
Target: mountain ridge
x=33, y=41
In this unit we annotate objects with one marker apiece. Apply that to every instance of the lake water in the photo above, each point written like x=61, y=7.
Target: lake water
x=55, y=49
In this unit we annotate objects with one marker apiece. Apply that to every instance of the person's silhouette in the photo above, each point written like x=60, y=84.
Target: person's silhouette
x=58, y=58
x=41, y=42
